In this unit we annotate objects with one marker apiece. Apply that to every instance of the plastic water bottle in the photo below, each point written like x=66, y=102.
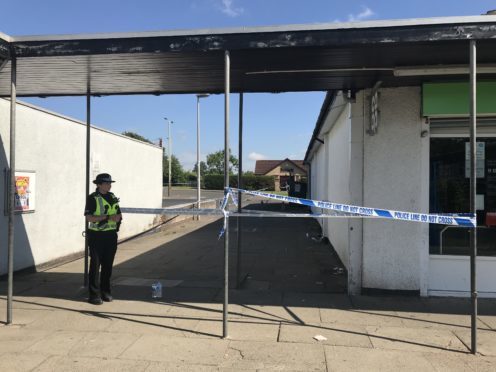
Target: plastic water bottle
x=157, y=290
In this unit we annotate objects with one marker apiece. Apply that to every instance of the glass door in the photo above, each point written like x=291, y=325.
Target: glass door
x=449, y=193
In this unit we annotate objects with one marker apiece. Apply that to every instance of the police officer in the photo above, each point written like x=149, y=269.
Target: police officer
x=104, y=216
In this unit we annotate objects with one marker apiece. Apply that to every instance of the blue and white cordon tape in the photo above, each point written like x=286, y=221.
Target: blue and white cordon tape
x=338, y=210
x=467, y=220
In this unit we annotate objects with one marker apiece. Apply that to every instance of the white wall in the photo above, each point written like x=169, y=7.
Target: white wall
x=394, y=173
x=450, y=276
x=318, y=176
x=54, y=147
x=338, y=142
x=337, y=170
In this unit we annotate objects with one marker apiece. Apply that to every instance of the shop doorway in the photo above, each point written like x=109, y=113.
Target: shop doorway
x=449, y=192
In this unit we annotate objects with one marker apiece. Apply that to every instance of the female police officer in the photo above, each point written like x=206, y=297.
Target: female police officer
x=104, y=216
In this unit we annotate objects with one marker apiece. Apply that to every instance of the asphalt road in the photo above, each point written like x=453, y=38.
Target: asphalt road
x=183, y=196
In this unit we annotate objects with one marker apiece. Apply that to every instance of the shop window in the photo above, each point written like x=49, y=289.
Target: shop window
x=450, y=193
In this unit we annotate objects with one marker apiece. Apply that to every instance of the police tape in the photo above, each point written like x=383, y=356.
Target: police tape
x=334, y=210
x=174, y=211
x=245, y=213
x=226, y=214
x=466, y=220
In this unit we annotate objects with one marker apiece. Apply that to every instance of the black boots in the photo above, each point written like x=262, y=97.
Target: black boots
x=95, y=300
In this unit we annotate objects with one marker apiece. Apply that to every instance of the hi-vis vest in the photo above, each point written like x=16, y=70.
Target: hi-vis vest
x=104, y=208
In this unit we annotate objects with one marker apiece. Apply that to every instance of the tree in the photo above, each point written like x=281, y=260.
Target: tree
x=136, y=136
x=215, y=163
x=177, y=172
x=203, y=168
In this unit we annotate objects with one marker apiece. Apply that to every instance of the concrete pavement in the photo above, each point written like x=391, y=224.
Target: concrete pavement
x=290, y=292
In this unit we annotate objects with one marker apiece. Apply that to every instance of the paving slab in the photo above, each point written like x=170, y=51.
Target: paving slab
x=437, y=320
x=241, y=331
x=57, y=343
x=389, y=303
x=103, y=344
x=342, y=335
x=171, y=294
x=54, y=289
x=179, y=367
x=21, y=362
x=275, y=356
x=322, y=300
x=269, y=314
x=444, y=305
x=38, y=303
x=177, y=350
x=157, y=325
x=81, y=305
x=361, y=317
x=204, y=310
x=341, y=358
x=460, y=362
x=252, y=297
x=415, y=339
x=486, y=341
x=19, y=286
x=125, y=307
x=488, y=320
x=304, y=315
x=14, y=339
x=23, y=317
x=85, y=364
x=201, y=284
x=59, y=320
x=51, y=303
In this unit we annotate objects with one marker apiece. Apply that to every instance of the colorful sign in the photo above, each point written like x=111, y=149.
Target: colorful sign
x=24, y=191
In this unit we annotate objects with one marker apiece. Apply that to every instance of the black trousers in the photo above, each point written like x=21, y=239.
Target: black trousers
x=102, y=245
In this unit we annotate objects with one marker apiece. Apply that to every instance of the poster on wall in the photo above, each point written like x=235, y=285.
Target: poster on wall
x=480, y=152
x=25, y=186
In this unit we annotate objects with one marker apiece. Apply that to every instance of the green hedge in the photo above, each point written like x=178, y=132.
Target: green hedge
x=257, y=182
x=216, y=182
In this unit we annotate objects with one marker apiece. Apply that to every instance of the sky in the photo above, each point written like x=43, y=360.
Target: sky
x=276, y=126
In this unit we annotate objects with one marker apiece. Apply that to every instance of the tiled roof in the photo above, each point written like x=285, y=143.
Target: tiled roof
x=264, y=166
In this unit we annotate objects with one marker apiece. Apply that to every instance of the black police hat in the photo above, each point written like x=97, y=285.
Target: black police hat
x=103, y=177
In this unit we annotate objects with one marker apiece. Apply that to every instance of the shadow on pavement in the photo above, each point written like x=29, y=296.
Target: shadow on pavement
x=285, y=270
x=277, y=256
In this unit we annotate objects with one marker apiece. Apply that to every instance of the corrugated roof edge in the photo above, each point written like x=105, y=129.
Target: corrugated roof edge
x=247, y=30
x=53, y=113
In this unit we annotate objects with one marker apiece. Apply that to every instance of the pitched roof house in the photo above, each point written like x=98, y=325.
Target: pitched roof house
x=282, y=170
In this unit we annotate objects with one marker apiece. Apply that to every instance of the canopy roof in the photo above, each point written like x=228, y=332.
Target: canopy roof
x=263, y=59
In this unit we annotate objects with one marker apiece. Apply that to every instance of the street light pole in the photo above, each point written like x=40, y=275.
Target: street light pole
x=198, y=179
x=170, y=156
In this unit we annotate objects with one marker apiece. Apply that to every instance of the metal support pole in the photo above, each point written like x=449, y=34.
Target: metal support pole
x=226, y=184
x=87, y=189
x=198, y=173
x=170, y=160
x=198, y=193
x=10, y=232
x=240, y=186
x=473, y=190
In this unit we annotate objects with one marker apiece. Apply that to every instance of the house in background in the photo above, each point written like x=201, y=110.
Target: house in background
x=282, y=170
